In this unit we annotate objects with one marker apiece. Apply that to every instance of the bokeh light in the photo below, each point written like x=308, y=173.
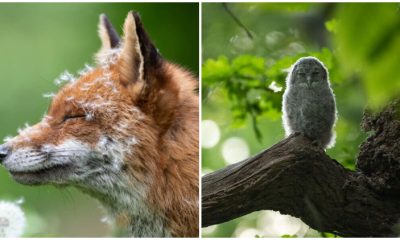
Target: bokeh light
x=235, y=149
x=210, y=134
x=209, y=230
x=246, y=232
x=274, y=224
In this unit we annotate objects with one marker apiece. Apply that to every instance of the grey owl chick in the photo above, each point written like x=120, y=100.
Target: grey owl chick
x=309, y=103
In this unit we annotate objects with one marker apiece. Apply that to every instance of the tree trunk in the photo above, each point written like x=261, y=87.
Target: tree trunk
x=297, y=178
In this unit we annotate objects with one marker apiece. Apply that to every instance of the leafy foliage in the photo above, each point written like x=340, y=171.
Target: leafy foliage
x=372, y=51
x=254, y=88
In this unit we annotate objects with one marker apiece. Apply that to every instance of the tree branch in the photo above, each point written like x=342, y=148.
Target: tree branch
x=237, y=21
x=297, y=178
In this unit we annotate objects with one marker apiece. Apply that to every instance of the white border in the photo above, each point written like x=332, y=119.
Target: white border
x=200, y=112
x=200, y=2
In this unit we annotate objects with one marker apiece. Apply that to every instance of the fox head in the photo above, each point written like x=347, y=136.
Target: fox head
x=125, y=131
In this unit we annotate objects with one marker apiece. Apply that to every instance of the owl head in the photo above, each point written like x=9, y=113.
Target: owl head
x=308, y=72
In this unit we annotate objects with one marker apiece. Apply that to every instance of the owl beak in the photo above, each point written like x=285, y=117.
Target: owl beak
x=309, y=81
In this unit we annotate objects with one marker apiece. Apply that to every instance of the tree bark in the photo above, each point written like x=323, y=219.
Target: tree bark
x=297, y=178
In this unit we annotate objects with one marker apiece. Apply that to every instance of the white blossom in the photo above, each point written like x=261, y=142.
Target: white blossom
x=12, y=220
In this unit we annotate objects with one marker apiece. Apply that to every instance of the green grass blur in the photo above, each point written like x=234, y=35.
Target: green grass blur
x=38, y=41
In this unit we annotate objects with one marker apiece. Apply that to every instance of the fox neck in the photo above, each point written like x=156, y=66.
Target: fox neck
x=127, y=208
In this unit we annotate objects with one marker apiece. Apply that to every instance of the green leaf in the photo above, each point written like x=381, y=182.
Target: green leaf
x=332, y=25
x=249, y=66
x=215, y=70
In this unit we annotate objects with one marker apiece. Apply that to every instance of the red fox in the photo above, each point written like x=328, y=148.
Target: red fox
x=125, y=132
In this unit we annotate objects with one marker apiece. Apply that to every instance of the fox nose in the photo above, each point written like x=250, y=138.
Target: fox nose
x=4, y=150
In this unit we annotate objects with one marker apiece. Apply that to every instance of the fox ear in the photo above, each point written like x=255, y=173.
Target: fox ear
x=141, y=72
x=108, y=36
x=138, y=55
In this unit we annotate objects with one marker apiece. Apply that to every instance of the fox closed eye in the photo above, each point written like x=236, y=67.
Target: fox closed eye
x=70, y=117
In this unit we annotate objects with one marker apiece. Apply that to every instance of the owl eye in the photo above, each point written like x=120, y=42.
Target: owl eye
x=301, y=74
x=315, y=73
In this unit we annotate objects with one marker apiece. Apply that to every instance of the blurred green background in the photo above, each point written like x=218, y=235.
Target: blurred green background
x=38, y=41
x=243, y=79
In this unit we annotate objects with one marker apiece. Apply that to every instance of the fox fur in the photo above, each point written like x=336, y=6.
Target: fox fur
x=124, y=131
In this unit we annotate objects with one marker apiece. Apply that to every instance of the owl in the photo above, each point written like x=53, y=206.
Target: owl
x=309, y=105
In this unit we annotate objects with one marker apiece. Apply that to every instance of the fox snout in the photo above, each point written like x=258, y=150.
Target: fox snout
x=4, y=151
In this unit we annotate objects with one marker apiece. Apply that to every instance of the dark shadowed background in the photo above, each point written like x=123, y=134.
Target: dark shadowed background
x=38, y=41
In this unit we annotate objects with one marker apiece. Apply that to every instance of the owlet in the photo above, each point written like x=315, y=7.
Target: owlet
x=309, y=103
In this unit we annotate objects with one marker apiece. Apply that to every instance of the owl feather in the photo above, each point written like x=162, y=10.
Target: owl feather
x=309, y=105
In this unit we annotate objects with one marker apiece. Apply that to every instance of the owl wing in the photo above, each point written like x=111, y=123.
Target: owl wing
x=331, y=109
x=291, y=107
